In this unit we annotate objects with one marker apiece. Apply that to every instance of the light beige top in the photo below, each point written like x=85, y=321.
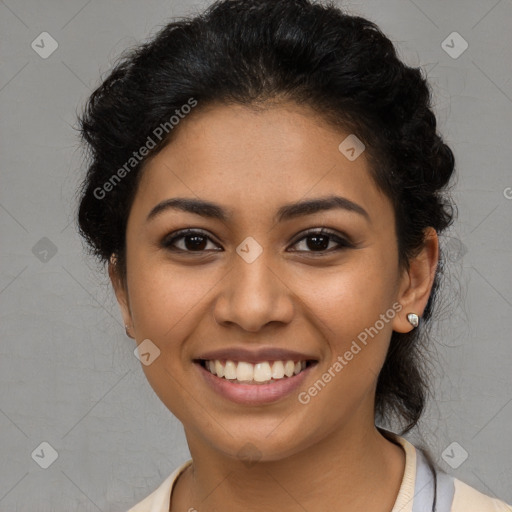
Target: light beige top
x=466, y=498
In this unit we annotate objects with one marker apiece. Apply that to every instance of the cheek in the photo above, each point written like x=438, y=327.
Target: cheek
x=164, y=300
x=166, y=304
x=353, y=308
x=353, y=295
x=347, y=310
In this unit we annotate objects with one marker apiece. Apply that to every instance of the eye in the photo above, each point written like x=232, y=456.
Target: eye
x=320, y=240
x=193, y=241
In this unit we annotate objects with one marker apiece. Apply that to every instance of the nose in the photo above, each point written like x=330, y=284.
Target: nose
x=253, y=295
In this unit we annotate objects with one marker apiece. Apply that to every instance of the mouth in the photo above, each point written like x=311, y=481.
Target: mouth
x=259, y=373
x=259, y=383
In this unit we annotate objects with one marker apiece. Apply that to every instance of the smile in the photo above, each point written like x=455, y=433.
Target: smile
x=264, y=372
x=254, y=384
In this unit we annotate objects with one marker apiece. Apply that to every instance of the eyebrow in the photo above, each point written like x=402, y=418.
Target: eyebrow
x=286, y=212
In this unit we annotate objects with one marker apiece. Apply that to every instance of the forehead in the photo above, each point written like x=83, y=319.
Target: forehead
x=258, y=159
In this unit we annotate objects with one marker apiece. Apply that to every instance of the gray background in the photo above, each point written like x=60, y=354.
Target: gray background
x=68, y=375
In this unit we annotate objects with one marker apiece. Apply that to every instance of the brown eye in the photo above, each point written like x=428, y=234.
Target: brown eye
x=318, y=241
x=191, y=241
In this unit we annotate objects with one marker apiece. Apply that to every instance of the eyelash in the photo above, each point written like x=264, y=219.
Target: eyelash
x=343, y=243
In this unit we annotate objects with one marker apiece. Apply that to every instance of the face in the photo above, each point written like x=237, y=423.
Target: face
x=256, y=280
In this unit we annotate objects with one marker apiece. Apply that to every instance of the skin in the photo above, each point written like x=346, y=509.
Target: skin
x=312, y=457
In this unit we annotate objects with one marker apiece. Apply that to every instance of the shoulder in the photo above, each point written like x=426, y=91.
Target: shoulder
x=159, y=499
x=468, y=499
x=455, y=495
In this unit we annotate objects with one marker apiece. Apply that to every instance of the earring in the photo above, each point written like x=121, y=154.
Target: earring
x=413, y=319
x=126, y=329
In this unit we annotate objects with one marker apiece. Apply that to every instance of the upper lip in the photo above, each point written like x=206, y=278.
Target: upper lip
x=257, y=355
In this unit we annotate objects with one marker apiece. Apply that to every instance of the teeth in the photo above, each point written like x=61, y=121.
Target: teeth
x=262, y=372
x=259, y=372
x=219, y=369
x=244, y=371
x=289, y=368
x=278, y=370
x=229, y=370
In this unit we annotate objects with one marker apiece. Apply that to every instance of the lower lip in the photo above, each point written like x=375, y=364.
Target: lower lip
x=254, y=394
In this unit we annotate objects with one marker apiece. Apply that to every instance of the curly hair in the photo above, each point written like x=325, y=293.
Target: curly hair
x=253, y=52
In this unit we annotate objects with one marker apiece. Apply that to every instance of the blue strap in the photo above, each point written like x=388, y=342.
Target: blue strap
x=424, y=488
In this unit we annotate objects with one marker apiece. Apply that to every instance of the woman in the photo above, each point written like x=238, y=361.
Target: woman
x=267, y=186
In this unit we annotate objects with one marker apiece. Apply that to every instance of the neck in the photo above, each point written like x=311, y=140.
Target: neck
x=352, y=470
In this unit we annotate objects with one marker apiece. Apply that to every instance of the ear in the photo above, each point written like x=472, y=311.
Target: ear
x=416, y=283
x=121, y=291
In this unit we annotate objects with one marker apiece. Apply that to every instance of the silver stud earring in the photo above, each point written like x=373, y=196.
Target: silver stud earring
x=413, y=319
x=126, y=329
